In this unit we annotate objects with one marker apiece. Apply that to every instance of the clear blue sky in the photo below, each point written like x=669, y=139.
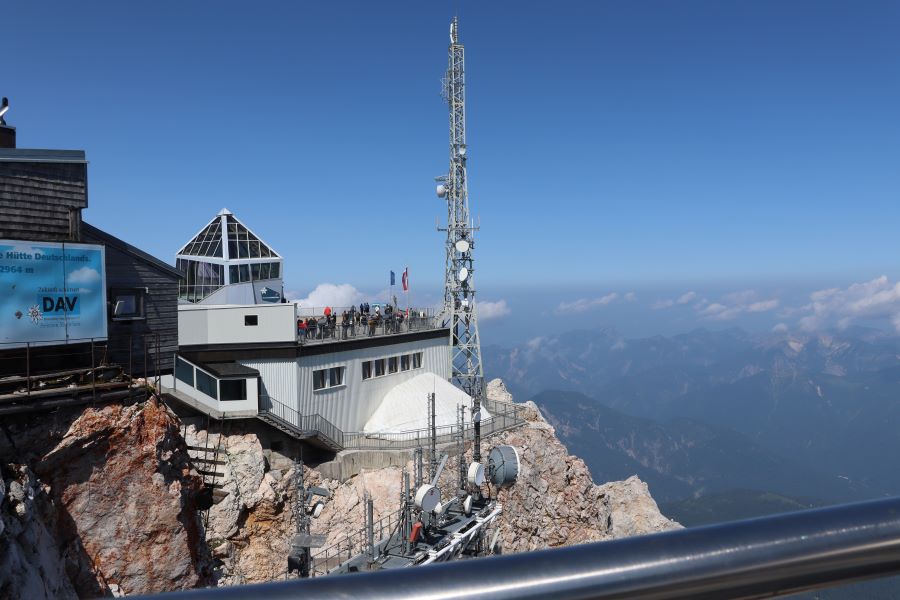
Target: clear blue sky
x=612, y=143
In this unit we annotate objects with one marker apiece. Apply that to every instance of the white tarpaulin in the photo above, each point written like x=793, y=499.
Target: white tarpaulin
x=405, y=407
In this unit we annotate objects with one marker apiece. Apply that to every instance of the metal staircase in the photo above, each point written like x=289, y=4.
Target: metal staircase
x=315, y=429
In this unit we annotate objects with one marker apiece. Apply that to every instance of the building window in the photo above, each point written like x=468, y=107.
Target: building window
x=367, y=369
x=404, y=362
x=233, y=389
x=207, y=384
x=251, y=320
x=392, y=364
x=184, y=371
x=379, y=367
x=127, y=304
x=329, y=378
x=417, y=360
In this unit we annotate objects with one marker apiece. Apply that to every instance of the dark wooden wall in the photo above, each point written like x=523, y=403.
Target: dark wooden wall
x=39, y=200
x=127, y=339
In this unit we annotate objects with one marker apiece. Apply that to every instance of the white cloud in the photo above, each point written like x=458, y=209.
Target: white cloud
x=780, y=328
x=492, y=310
x=586, y=304
x=629, y=297
x=83, y=276
x=685, y=298
x=329, y=294
x=734, y=305
x=876, y=299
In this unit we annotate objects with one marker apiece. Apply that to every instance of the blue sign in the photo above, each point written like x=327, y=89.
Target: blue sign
x=51, y=293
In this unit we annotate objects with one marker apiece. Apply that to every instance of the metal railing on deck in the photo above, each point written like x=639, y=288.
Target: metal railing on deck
x=757, y=558
x=503, y=416
x=419, y=320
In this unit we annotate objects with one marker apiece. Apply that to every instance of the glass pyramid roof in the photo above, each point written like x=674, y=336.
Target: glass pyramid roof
x=242, y=243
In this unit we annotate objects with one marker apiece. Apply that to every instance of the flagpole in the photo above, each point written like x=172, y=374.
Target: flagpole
x=406, y=277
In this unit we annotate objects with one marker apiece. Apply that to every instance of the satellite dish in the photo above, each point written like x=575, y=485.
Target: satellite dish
x=503, y=465
x=462, y=246
x=462, y=150
x=317, y=509
x=428, y=497
x=441, y=190
x=463, y=274
x=467, y=505
x=476, y=474
x=439, y=509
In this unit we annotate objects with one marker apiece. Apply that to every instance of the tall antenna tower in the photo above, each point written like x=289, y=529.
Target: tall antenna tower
x=459, y=284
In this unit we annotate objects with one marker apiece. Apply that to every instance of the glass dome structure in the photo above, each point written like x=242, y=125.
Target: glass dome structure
x=227, y=254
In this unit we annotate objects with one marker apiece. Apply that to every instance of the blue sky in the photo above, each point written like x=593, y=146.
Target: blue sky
x=614, y=146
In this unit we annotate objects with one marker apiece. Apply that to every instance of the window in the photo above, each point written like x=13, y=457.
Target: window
x=233, y=389
x=184, y=371
x=379, y=367
x=319, y=379
x=367, y=369
x=329, y=378
x=251, y=320
x=404, y=362
x=417, y=360
x=127, y=304
x=392, y=364
x=207, y=384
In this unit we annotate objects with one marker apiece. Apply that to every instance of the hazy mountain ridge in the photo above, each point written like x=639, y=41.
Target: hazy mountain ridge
x=680, y=458
x=826, y=401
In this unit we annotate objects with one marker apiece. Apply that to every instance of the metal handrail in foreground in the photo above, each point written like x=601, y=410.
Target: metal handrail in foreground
x=756, y=558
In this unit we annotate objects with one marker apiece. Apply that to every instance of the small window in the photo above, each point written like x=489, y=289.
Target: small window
x=233, y=389
x=127, y=305
x=251, y=320
x=404, y=362
x=184, y=371
x=379, y=367
x=392, y=364
x=328, y=378
x=367, y=369
x=417, y=360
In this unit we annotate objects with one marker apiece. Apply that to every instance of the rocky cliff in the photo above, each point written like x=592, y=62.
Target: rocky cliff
x=98, y=501
x=554, y=502
x=102, y=501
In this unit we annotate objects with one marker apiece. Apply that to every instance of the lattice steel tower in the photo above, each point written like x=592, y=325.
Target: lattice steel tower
x=459, y=285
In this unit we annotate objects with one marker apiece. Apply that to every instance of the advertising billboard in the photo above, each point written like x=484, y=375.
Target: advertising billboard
x=51, y=293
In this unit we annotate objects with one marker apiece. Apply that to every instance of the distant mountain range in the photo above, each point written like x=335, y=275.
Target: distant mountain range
x=812, y=418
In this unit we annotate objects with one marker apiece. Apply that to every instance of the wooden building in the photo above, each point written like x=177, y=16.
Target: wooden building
x=42, y=196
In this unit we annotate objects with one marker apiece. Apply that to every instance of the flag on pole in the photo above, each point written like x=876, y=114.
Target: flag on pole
x=405, y=279
x=392, y=278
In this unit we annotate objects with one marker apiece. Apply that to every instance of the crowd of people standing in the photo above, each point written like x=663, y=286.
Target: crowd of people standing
x=354, y=321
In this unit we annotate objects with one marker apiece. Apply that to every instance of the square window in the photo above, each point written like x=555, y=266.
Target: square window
x=184, y=371
x=404, y=362
x=127, y=304
x=379, y=367
x=335, y=376
x=367, y=369
x=392, y=364
x=233, y=389
x=251, y=320
x=417, y=360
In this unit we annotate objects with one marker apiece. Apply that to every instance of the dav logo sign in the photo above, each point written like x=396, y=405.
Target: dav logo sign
x=59, y=305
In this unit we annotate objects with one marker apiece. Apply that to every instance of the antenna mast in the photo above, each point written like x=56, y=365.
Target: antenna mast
x=459, y=285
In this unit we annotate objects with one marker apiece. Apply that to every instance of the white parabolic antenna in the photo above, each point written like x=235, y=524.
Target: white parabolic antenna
x=467, y=505
x=476, y=474
x=428, y=497
x=462, y=246
x=441, y=190
x=463, y=274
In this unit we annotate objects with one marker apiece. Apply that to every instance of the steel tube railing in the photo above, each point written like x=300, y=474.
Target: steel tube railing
x=756, y=558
